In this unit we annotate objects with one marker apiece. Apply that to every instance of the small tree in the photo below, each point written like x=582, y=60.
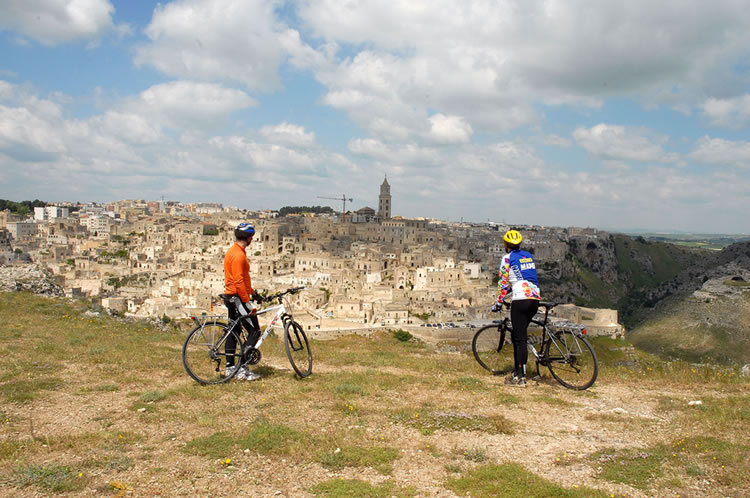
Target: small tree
x=402, y=335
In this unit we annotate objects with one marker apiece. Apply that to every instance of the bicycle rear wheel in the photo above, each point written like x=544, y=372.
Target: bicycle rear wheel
x=297, y=348
x=492, y=349
x=571, y=360
x=203, y=354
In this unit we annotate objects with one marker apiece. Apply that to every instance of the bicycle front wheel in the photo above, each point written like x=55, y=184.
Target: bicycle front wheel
x=204, y=355
x=297, y=348
x=571, y=360
x=492, y=349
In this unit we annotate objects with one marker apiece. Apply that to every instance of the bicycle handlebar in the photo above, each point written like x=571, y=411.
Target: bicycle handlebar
x=278, y=295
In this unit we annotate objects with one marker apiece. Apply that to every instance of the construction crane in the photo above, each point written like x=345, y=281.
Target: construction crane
x=343, y=199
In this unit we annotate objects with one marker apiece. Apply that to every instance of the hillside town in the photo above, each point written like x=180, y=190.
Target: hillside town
x=361, y=269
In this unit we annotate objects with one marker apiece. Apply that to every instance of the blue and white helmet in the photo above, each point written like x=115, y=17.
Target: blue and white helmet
x=244, y=231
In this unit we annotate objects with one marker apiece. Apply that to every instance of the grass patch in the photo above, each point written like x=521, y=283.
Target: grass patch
x=380, y=459
x=468, y=383
x=101, y=388
x=725, y=464
x=506, y=398
x=475, y=454
x=153, y=396
x=268, y=438
x=357, y=488
x=55, y=479
x=553, y=400
x=24, y=391
x=512, y=481
x=347, y=389
x=216, y=445
x=736, y=283
x=262, y=437
x=429, y=422
x=402, y=335
x=632, y=467
x=9, y=449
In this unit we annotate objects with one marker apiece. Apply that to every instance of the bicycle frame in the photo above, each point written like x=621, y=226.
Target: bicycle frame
x=280, y=310
x=213, y=333
x=547, y=336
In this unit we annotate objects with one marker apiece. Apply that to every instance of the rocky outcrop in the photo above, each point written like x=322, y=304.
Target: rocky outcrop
x=29, y=278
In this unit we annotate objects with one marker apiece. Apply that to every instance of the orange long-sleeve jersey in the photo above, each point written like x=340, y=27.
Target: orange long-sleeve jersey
x=237, y=273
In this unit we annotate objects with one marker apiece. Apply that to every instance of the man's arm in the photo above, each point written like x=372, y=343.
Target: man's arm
x=503, y=282
x=240, y=279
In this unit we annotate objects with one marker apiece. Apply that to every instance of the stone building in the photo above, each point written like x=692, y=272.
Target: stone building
x=384, y=200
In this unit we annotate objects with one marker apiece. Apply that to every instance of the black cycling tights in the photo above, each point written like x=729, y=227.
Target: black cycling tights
x=252, y=326
x=521, y=313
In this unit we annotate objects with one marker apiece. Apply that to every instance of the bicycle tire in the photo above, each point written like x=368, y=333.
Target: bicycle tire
x=492, y=349
x=202, y=354
x=297, y=348
x=571, y=360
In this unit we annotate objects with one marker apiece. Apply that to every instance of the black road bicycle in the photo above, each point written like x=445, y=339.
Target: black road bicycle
x=562, y=348
x=204, y=355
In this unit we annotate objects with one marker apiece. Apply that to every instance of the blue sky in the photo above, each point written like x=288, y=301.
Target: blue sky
x=563, y=113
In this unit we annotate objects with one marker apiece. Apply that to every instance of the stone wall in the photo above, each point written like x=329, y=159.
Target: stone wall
x=30, y=278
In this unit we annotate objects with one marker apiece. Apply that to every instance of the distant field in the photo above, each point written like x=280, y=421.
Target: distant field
x=91, y=406
x=703, y=241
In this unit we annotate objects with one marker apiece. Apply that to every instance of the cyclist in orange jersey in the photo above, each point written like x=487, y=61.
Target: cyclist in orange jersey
x=239, y=289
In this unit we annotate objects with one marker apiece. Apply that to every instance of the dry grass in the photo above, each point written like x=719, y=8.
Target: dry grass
x=96, y=406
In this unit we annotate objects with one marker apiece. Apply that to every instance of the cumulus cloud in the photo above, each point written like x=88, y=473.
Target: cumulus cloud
x=490, y=61
x=720, y=151
x=231, y=40
x=449, y=129
x=288, y=134
x=50, y=23
x=187, y=101
x=727, y=113
x=620, y=143
x=398, y=154
x=24, y=135
x=556, y=140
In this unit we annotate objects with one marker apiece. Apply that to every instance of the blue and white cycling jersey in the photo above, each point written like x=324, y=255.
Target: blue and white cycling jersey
x=518, y=275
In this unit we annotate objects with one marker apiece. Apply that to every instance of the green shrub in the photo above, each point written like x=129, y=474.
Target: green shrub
x=402, y=335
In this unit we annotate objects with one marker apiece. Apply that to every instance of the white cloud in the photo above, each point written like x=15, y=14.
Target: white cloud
x=557, y=141
x=52, y=22
x=620, y=143
x=231, y=40
x=728, y=113
x=412, y=155
x=492, y=62
x=449, y=129
x=26, y=134
x=288, y=134
x=720, y=151
x=189, y=104
x=131, y=128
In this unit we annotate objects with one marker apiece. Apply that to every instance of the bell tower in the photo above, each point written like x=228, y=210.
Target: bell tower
x=384, y=204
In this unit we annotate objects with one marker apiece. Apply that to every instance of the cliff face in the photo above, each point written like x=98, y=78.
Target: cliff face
x=712, y=323
x=633, y=275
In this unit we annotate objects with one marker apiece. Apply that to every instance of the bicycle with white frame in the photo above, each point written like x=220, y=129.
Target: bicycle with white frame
x=204, y=348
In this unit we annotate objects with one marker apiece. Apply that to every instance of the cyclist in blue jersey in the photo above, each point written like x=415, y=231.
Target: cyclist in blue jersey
x=518, y=277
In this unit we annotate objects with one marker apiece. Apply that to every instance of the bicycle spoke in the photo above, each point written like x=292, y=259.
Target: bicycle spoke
x=492, y=349
x=204, y=355
x=297, y=348
x=571, y=360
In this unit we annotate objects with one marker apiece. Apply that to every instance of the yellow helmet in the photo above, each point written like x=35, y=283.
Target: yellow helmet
x=513, y=237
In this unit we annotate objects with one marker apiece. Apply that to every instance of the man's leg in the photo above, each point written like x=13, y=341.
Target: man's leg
x=253, y=328
x=231, y=344
x=242, y=311
x=521, y=313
